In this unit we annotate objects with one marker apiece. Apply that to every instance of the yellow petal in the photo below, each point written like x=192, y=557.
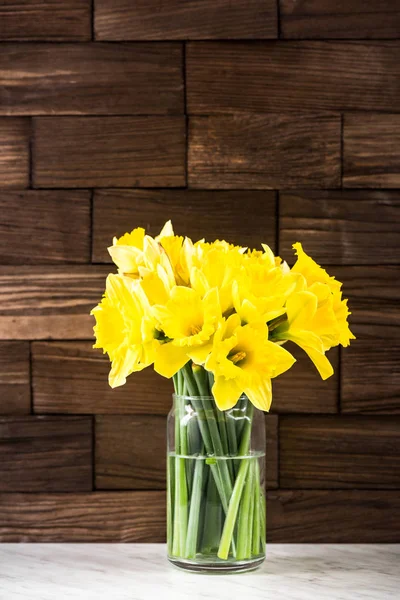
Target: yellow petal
x=169, y=359
x=301, y=308
x=166, y=231
x=315, y=351
x=261, y=394
x=122, y=366
x=199, y=354
x=127, y=258
x=226, y=393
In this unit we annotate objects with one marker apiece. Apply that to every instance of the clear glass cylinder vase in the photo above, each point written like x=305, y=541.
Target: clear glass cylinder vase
x=215, y=500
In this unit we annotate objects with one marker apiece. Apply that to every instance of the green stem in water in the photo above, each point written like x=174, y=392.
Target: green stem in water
x=256, y=520
x=263, y=518
x=212, y=519
x=245, y=518
x=194, y=513
x=181, y=497
x=230, y=520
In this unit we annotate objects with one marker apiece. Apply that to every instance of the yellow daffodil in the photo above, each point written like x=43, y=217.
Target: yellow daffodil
x=314, y=274
x=124, y=328
x=189, y=321
x=217, y=265
x=243, y=360
x=128, y=252
x=306, y=326
x=179, y=252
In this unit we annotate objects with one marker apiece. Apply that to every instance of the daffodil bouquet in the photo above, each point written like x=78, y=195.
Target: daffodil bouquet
x=215, y=318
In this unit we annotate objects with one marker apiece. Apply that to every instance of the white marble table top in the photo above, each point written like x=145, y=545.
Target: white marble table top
x=141, y=572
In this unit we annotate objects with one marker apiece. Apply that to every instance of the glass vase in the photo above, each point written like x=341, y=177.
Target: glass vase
x=215, y=498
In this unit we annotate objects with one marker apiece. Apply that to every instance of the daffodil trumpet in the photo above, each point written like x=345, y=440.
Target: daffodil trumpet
x=220, y=320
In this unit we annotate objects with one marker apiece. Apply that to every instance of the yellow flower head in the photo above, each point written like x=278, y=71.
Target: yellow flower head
x=130, y=251
x=124, y=328
x=189, y=321
x=243, y=360
x=314, y=275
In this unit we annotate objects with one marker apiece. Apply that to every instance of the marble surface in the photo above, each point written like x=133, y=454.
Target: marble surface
x=141, y=571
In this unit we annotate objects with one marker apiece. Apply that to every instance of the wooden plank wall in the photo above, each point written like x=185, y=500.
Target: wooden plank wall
x=254, y=120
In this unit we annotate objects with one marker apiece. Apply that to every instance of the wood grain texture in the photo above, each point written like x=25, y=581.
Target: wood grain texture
x=373, y=291
x=44, y=227
x=71, y=377
x=285, y=76
x=295, y=516
x=130, y=452
x=49, y=20
x=264, y=151
x=110, y=151
x=342, y=227
x=45, y=454
x=91, y=79
x=14, y=152
x=188, y=20
x=353, y=19
x=91, y=517
x=339, y=452
x=371, y=150
x=15, y=395
x=240, y=217
x=49, y=302
x=370, y=371
x=301, y=389
x=333, y=516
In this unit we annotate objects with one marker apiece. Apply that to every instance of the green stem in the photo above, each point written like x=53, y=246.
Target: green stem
x=181, y=492
x=249, y=543
x=245, y=524
x=263, y=518
x=256, y=520
x=230, y=520
x=194, y=513
x=212, y=519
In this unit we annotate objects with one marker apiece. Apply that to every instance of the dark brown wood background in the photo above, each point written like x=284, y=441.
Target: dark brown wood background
x=249, y=120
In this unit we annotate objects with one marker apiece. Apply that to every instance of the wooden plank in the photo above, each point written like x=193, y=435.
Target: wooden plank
x=91, y=79
x=333, y=516
x=81, y=384
x=14, y=153
x=240, y=217
x=227, y=77
x=370, y=150
x=125, y=459
x=92, y=517
x=109, y=151
x=43, y=302
x=294, y=516
x=49, y=20
x=373, y=291
x=52, y=454
x=264, y=151
x=354, y=19
x=342, y=227
x=45, y=227
x=370, y=371
x=15, y=394
x=301, y=389
x=339, y=452
x=189, y=20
